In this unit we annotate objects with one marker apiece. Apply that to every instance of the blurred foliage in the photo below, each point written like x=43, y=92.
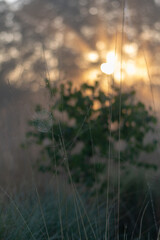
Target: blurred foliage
x=35, y=37
x=81, y=130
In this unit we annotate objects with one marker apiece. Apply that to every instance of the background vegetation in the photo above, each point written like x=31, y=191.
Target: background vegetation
x=37, y=41
x=78, y=137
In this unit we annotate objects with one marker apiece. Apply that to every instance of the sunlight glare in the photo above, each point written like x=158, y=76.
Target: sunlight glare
x=93, y=74
x=107, y=68
x=131, y=49
x=130, y=68
x=111, y=57
x=119, y=76
x=92, y=57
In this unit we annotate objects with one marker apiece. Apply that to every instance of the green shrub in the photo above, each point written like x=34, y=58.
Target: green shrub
x=86, y=123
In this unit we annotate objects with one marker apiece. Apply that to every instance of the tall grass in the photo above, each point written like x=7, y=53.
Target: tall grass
x=62, y=213
x=23, y=218
x=54, y=215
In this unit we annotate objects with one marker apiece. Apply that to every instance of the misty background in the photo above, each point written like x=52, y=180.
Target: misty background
x=68, y=40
